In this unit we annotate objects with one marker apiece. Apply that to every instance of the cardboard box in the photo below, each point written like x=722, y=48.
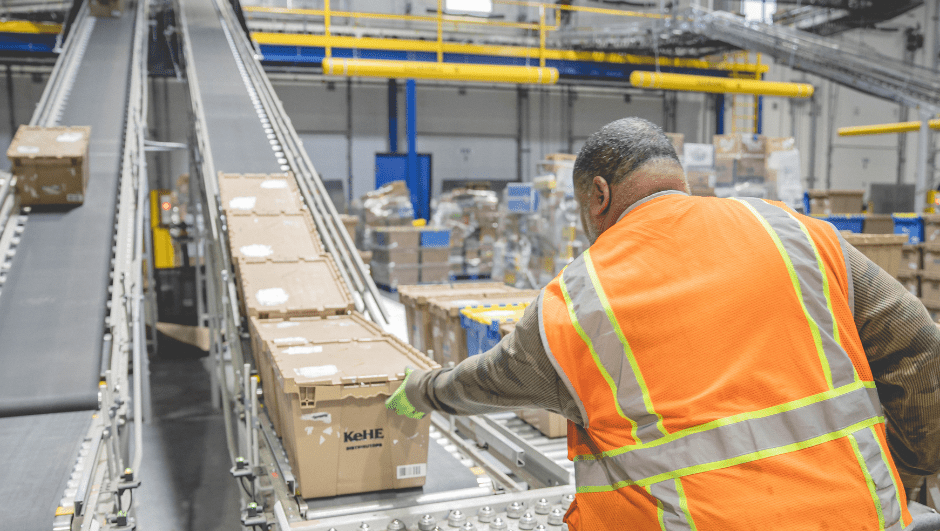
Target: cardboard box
x=548, y=423
x=819, y=203
x=106, y=8
x=276, y=237
x=775, y=143
x=282, y=334
x=934, y=311
x=50, y=164
x=258, y=193
x=448, y=337
x=435, y=255
x=350, y=223
x=294, y=289
x=750, y=168
x=878, y=224
x=724, y=171
x=727, y=145
x=886, y=250
x=435, y=273
x=846, y=201
x=932, y=228
x=396, y=255
x=910, y=281
x=931, y=257
x=339, y=436
x=415, y=300
x=678, y=141
x=392, y=275
x=930, y=287
x=910, y=259
x=396, y=237
x=701, y=178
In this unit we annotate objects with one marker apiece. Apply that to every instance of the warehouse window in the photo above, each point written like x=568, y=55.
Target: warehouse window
x=469, y=6
x=760, y=10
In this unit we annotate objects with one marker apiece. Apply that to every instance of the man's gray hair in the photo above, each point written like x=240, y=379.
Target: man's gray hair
x=618, y=149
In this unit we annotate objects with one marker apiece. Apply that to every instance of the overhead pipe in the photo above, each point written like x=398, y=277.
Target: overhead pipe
x=449, y=71
x=883, y=129
x=719, y=85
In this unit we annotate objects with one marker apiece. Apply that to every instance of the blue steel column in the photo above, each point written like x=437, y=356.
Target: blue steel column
x=412, y=167
x=719, y=114
x=392, y=116
x=759, y=119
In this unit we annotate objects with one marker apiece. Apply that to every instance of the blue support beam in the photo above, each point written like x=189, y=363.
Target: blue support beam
x=719, y=114
x=412, y=125
x=392, y=116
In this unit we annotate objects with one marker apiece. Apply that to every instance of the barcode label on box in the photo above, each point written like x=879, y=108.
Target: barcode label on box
x=412, y=471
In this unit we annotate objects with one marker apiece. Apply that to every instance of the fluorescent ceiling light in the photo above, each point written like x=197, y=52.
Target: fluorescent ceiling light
x=474, y=6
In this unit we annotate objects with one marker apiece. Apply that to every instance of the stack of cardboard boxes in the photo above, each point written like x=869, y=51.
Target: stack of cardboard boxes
x=472, y=216
x=325, y=372
x=919, y=271
x=410, y=255
x=433, y=314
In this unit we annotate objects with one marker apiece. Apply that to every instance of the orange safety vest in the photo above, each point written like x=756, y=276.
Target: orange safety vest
x=711, y=347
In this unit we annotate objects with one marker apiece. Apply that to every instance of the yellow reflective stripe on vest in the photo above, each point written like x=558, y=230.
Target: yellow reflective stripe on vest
x=739, y=460
x=573, y=315
x=804, y=265
x=869, y=482
x=855, y=405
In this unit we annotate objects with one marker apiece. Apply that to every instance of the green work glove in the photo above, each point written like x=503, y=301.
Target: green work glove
x=399, y=400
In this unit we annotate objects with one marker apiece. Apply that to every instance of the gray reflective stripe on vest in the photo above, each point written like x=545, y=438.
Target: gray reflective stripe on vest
x=726, y=442
x=539, y=302
x=877, y=469
x=848, y=272
x=611, y=352
x=675, y=515
x=799, y=247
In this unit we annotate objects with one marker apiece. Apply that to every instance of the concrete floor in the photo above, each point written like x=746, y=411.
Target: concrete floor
x=185, y=471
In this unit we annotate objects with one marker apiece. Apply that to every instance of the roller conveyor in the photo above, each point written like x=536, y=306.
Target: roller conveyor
x=54, y=300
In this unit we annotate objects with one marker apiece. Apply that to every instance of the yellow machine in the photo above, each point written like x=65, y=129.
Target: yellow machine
x=161, y=210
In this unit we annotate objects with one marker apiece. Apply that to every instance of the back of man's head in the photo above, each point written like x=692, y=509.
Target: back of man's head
x=620, y=148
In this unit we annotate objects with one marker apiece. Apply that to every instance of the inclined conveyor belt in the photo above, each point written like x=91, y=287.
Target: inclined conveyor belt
x=237, y=138
x=54, y=301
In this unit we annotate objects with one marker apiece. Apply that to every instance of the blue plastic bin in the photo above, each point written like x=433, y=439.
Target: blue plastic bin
x=522, y=198
x=854, y=223
x=480, y=337
x=910, y=224
x=435, y=238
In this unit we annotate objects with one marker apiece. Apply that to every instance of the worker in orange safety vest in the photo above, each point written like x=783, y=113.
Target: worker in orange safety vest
x=720, y=361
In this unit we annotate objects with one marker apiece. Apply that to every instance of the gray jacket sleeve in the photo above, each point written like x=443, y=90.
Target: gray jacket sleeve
x=515, y=374
x=902, y=345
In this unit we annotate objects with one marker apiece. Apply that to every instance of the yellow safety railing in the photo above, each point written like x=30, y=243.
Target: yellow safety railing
x=444, y=21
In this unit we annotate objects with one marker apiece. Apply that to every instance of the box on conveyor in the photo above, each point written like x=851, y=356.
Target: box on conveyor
x=448, y=336
x=259, y=193
x=270, y=337
x=300, y=288
x=106, y=8
x=50, y=164
x=550, y=424
x=415, y=299
x=910, y=259
x=886, y=250
x=931, y=228
x=339, y=436
x=878, y=224
x=931, y=257
x=275, y=237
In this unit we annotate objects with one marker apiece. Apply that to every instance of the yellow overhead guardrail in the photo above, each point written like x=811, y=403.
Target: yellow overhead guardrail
x=450, y=71
x=658, y=80
x=22, y=26
x=882, y=129
x=475, y=72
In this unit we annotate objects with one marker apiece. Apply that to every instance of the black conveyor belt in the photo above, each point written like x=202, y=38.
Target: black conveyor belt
x=236, y=137
x=54, y=301
x=36, y=454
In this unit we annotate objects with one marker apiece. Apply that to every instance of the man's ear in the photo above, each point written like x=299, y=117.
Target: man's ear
x=600, y=196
